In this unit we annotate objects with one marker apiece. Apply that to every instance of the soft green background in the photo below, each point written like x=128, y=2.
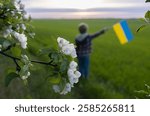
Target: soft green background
x=116, y=71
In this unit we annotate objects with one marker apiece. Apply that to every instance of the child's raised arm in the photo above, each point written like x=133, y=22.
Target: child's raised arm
x=102, y=31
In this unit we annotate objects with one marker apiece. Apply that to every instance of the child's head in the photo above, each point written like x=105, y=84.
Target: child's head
x=83, y=28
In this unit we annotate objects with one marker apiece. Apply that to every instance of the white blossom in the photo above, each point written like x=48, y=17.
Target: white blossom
x=24, y=77
x=56, y=88
x=17, y=5
x=62, y=42
x=72, y=73
x=78, y=74
x=22, y=39
x=71, y=80
x=23, y=26
x=26, y=16
x=63, y=92
x=66, y=89
x=28, y=74
x=0, y=47
x=68, y=49
x=24, y=73
x=24, y=45
x=76, y=80
x=16, y=34
x=73, y=53
x=73, y=65
x=25, y=59
x=7, y=32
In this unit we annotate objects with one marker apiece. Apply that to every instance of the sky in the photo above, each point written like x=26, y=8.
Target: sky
x=57, y=9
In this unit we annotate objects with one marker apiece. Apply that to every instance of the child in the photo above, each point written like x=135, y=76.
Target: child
x=83, y=42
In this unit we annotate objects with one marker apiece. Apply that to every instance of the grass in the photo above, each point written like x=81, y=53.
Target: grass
x=116, y=71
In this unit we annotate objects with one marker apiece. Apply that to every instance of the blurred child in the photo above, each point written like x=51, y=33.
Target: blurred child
x=83, y=42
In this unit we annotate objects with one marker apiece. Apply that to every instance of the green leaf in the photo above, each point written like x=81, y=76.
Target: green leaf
x=147, y=15
x=16, y=51
x=142, y=92
x=2, y=40
x=141, y=28
x=9, y=70
x=148, y=88
x=55, y=79
x=64, y=65
x=45, y=51
x=10, y=77
x=147, y=0
x=56, y=57
x=6, y=43
x=143, y=19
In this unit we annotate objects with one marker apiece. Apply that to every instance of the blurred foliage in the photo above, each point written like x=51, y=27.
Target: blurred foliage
x=10, y=77
x=15, y=29
x=146, y=20
x=143, y=94
x=147, y=0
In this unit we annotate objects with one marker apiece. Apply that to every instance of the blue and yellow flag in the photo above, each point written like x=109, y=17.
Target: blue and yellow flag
x=123, y=32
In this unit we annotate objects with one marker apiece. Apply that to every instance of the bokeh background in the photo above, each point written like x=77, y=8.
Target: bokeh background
x=116, y=71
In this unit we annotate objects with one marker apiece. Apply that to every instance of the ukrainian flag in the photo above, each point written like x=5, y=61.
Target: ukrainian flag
x=123, y=32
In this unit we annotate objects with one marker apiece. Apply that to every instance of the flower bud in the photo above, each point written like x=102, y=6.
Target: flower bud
x=73, y=65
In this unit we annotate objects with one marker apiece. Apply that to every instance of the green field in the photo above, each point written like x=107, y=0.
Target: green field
x=116, y=71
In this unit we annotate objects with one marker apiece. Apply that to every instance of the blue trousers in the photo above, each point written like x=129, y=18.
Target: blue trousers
x=84, y=62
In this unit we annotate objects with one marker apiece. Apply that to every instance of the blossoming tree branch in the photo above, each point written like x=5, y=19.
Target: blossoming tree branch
x=15, y=31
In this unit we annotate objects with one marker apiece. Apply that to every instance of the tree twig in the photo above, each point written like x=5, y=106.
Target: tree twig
x=34, y=61
x=46, y=63
x=17, y=65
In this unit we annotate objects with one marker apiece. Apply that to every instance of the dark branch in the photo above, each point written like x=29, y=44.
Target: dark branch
x=46, y=63
x=12, y=57
x=8, y=48
x=17, y=65
x=15, y=60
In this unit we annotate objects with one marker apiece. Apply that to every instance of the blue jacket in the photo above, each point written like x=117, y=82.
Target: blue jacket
x=84, y=42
